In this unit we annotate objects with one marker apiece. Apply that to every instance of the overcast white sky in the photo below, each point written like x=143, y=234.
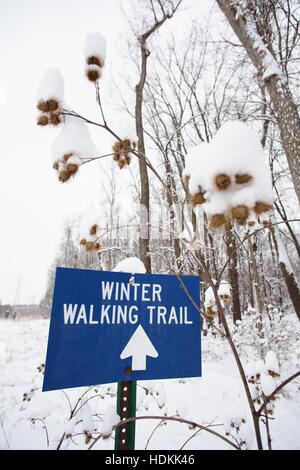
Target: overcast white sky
x=36, y=35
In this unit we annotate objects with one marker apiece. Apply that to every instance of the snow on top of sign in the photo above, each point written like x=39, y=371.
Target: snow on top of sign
x=52, y=86
x=73, y=138
x=95, y=45
x=131, y=265
x=110, y=419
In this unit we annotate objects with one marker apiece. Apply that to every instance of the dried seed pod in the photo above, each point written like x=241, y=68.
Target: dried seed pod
x=197, y=198
x=261, y=207
x=93, y=73
x=67, y=156
x=82, y=241
x=122, y=152
x=72, y=168
x=97, y=246
x=126, y=144
x=94, y=60
x=43, y=106
x=121, y=163
x=225, y=298
x=89, y=246
x=128, y=159
x=242, y=178
x=52, y=105
x=56, y=165
x=216, y=221
x=42, y=120
x=222, y=181
x=210, y=312
x=63, y=176
x=93, y=229
x=240, y=214
x=55, y=119
x=117, y=147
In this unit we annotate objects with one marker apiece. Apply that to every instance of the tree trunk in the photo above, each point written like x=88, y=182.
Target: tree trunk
x=284, y=107
x=287, y=272
x=144, y=235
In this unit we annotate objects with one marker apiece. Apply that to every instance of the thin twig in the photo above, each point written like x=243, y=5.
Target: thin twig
x=175, y=419
x=277, y=389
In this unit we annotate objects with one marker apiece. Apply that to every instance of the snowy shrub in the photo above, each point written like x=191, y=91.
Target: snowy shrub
x=261, y=377
x=278, y=332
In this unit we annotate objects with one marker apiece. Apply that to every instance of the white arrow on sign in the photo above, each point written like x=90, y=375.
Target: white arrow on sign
x=139, y=346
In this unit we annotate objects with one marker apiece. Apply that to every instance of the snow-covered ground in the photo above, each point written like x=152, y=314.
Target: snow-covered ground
x=37, y=420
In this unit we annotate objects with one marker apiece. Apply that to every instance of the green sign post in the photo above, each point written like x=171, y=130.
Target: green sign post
x=126, y=408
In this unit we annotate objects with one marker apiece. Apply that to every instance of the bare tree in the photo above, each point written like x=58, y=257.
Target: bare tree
x=161, y=10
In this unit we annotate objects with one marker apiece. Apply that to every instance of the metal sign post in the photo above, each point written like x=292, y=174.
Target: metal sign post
x=126, y=408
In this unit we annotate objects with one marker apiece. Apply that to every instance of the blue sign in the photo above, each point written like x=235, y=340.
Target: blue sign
x=109, y=327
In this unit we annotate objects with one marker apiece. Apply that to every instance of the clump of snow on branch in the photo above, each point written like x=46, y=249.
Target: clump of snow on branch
x=122, y=149
x=131, y=265
x=70, y=147
x=261, y=376
x=229, y=176
x=110, y=420
x=95, y=56
x=52, y=86
x=50, y=98
x=90, y=233
x=224, y=294
x=69, y=427
x=88, y=425
x=272, y=364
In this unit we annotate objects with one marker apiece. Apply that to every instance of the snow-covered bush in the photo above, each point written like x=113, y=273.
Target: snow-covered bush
x=279, y=333
x=261, y=377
